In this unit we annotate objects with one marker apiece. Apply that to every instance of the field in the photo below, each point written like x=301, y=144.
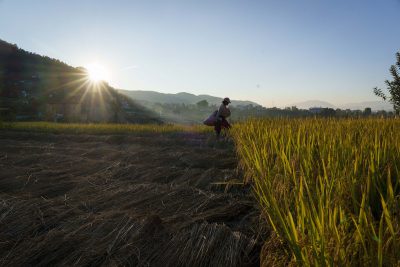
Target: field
x=101, y=128
x=276, y=192
x=118, y=195
x=329, y=188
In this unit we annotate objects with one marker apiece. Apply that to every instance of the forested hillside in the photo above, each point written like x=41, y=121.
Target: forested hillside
x=35, y=87
x=180, y=98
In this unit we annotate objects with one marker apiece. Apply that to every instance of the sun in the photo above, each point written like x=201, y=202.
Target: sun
x=97, y=72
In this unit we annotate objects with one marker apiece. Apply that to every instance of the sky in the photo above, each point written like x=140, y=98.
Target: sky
x=275, y=53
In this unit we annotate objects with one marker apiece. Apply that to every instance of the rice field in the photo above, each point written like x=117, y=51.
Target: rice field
x=100, y=128
x=122, y=200
x=329, y=188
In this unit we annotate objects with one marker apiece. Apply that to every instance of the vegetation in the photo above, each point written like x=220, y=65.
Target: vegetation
x=196, y=113
x=330, y=188
x=179, y=98
x=35, y=87
x=99, y=128
x=202, y=104
x=392, y=86
x=122, y=200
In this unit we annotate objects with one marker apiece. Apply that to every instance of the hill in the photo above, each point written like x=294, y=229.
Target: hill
x=374, y=105
x=179, y=98
x=35, y=87
x=313, y=104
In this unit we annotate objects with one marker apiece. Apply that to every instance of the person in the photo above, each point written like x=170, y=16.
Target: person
x=222, y=113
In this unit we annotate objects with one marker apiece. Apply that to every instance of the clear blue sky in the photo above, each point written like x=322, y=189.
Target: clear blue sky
x=272, y=52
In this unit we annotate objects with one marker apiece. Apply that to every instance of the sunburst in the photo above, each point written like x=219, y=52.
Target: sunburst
x=97, y=72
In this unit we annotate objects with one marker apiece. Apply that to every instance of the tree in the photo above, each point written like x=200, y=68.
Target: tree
x=367, y=111
x=328, y=112
x=392, y=86
x=202, y=104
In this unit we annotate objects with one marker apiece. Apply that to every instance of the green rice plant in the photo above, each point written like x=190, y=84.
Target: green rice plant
x=330, y=188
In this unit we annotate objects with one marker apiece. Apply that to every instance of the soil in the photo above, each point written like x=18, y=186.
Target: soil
x=124, y=200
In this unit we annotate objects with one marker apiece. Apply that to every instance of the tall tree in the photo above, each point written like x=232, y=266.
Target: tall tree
x=392, y=86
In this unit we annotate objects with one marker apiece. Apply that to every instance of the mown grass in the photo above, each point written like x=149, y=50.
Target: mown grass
x=329, y=188
x=100, y=128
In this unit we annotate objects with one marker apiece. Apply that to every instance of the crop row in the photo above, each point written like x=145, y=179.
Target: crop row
x=329, y=188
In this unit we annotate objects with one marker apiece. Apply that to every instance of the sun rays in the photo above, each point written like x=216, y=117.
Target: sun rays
x=97, y=72
x=85, y=89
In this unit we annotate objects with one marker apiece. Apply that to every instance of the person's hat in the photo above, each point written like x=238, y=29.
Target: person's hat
x=226, y=99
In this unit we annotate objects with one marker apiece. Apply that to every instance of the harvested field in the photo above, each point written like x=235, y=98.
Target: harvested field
x=123, y=200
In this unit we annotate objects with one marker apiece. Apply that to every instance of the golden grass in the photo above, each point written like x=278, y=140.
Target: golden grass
x=99, y=128
x=330, y=188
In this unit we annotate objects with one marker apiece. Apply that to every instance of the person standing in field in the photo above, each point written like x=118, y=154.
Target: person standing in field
x=222, y=113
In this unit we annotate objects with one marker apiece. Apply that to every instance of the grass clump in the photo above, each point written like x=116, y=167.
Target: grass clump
x=329, y=188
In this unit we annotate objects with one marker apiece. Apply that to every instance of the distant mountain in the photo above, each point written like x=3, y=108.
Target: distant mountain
x=179, y=98
x=374, y=105
x=313, y=104
x=35, y=87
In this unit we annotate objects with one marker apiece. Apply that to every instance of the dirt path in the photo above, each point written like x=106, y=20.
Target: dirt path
x=122, y=200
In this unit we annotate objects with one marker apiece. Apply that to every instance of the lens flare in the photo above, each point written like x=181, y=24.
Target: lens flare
x=97, y=72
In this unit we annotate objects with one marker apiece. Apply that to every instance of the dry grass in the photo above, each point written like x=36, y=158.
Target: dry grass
x=126, y=200
x=101, y=128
